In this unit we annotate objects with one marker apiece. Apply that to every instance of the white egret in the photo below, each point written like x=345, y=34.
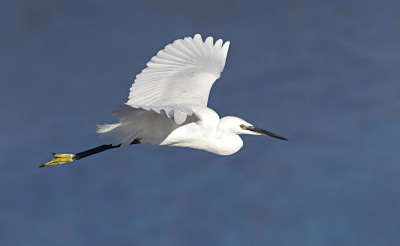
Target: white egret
x=168, y=105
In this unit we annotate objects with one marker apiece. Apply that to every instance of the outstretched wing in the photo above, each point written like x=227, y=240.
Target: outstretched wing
x=180, y=75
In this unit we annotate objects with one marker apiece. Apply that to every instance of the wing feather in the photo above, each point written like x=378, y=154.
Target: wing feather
x=180, y=75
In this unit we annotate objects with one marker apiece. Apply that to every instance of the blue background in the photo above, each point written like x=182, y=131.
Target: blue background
x=324, y=74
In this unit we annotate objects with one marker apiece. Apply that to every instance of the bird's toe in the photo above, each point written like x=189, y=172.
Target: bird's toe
x=59, y=159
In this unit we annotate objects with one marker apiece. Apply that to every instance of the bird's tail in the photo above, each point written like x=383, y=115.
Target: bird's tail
x=107, y=127
x=128, y=128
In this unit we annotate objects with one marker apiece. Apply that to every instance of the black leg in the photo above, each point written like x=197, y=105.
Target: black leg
x=98, y=150
x=64, y=158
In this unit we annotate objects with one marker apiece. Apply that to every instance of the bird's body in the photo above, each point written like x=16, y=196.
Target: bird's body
x=199, y=131
x=168, y=104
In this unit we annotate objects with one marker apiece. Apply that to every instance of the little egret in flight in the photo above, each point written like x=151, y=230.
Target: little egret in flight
x=168, y=105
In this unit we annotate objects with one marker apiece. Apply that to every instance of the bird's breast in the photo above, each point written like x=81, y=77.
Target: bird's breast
x=194, y=136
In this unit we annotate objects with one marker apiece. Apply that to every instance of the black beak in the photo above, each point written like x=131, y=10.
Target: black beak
x=264, y=132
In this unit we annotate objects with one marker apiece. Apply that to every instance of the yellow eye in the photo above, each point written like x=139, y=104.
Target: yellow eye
x=243, y=127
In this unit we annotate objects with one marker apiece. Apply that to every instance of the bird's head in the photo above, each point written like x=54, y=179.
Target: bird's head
x=235, y=126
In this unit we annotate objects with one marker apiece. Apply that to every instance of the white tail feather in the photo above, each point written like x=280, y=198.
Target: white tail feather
x=128, y=128
x=123, y=135
x=107, y=127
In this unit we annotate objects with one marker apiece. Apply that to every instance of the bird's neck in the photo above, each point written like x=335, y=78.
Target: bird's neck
x=229, y=144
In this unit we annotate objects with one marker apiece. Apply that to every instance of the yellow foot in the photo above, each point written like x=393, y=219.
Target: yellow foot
x=59, y=159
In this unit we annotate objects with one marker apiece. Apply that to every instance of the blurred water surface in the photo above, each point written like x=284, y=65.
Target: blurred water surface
x=324, y=74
